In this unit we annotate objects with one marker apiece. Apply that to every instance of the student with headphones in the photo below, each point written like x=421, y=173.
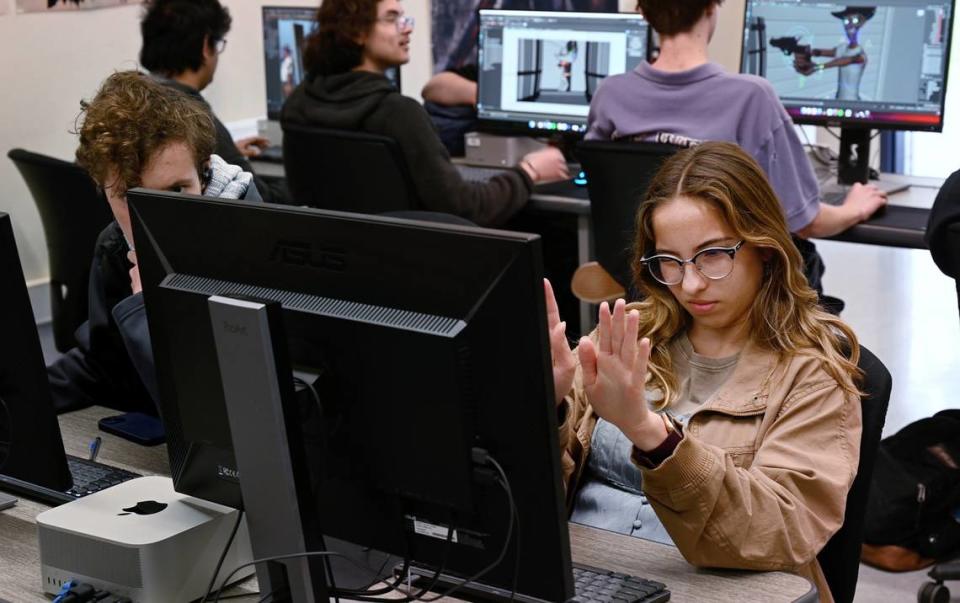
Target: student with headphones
x=135, y=132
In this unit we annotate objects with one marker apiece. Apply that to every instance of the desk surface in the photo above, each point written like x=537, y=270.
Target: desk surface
x=902, y=224
x=20, y=563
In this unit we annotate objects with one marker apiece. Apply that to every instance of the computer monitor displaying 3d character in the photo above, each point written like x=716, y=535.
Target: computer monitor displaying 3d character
x=285, y=31
x=879, y=65
x=539, y=70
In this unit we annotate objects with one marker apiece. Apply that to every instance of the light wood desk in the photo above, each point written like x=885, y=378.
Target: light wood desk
x=20, y=563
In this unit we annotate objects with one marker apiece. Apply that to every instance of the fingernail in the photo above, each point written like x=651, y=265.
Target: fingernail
x=563, y=325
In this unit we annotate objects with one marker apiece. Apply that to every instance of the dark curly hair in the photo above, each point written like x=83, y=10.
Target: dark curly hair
x=672, y=17
x=332, y=48
x=174, y=31
x=133, y=117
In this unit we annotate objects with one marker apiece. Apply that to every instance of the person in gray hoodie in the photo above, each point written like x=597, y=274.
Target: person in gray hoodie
x=345, y=89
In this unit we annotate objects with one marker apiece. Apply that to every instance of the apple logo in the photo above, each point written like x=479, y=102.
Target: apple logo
x=145, y=507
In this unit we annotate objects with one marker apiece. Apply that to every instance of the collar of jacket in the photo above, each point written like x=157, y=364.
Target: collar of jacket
x=745, y=392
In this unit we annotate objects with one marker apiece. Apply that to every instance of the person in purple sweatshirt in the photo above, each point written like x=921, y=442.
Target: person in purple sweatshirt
x=684, y=99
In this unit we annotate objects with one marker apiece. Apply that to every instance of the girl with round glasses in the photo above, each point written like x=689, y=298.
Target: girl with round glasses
x=722, y=412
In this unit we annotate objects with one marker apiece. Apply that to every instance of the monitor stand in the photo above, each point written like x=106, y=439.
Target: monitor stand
x=854, y=162
x=268, y=446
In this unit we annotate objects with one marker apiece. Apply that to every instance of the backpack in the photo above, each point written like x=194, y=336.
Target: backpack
x=913, y=511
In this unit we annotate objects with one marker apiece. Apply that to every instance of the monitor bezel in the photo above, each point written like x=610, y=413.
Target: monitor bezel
x=505, y=127
x=863, y=124
x=273, y=115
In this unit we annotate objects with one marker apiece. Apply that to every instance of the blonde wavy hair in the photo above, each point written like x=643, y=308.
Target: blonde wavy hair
x=785, y=317
x=130, y=119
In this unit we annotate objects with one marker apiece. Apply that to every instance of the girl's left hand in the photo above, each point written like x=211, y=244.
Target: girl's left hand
x=615, y=369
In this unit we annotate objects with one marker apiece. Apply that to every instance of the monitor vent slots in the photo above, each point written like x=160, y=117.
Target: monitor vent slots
x=323, y=306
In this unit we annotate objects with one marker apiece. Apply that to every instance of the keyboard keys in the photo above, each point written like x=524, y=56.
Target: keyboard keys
x=597, y=585
x=90, y=477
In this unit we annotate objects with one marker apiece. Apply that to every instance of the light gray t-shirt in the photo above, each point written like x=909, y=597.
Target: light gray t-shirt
x=610, y=495
x=707, y=103
x=850, y=76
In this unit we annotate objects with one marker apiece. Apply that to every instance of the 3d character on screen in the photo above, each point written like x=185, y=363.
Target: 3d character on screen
x=850, y=58
x=566, y=56
x=286, y=72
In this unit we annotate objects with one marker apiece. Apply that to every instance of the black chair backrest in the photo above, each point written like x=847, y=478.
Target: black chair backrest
x=943, y=230
x=840, y=558
x=73, y=213
x=618, y=174
x=346, y=171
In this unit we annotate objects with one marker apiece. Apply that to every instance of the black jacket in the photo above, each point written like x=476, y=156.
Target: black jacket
x=368, y=102
x=272, y=191
x=112, y=364
x=946, y=211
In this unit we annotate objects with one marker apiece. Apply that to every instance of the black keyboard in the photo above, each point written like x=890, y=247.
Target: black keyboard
x=833, y=198
x=90, y=476
x=473, y=173
x=272, y=154
x=598, y=585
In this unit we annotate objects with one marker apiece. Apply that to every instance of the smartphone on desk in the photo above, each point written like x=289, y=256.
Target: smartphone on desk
x=137, y=427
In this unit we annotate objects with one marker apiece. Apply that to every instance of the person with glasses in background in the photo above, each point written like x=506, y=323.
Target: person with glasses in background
x=182, y=44
x=354, y=43
x=721, y=413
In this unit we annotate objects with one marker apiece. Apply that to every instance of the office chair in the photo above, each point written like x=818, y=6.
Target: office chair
x=840, y=557
x=618, y=175
x=73, y=212
x=943, y=239
x=346, y=171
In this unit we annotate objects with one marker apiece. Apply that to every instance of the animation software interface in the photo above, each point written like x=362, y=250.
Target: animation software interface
x=542, y=69
x=871, y=62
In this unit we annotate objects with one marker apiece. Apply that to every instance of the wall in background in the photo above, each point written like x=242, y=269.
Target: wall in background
x=51, y=61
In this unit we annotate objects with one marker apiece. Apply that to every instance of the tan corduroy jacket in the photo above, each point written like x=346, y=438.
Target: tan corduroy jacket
x=761, y=476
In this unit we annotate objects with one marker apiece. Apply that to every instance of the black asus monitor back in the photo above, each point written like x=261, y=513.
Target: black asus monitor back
x=31, y=450
x=429, y=340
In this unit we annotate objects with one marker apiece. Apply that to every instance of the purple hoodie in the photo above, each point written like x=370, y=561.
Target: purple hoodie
x=707, y=103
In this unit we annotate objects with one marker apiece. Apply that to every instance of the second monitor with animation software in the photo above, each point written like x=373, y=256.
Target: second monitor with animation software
x=878, y=65
x=538, y=70
x=285, y=31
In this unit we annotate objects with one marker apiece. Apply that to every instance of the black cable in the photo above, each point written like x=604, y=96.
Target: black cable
x=296, y=556
x=369, y=591
x=443, y=566
x=516, y=515
x=326, y=560
x=497, y=561
x=223, y=556
x=266, y=559
x=383, y=566
x=407, y=598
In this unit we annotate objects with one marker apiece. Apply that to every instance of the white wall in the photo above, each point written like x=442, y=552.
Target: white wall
x=935, y=154
x=51, y=61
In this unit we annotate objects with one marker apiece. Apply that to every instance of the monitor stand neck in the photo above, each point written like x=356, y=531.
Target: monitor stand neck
x=854, y=161
x=268, y=446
